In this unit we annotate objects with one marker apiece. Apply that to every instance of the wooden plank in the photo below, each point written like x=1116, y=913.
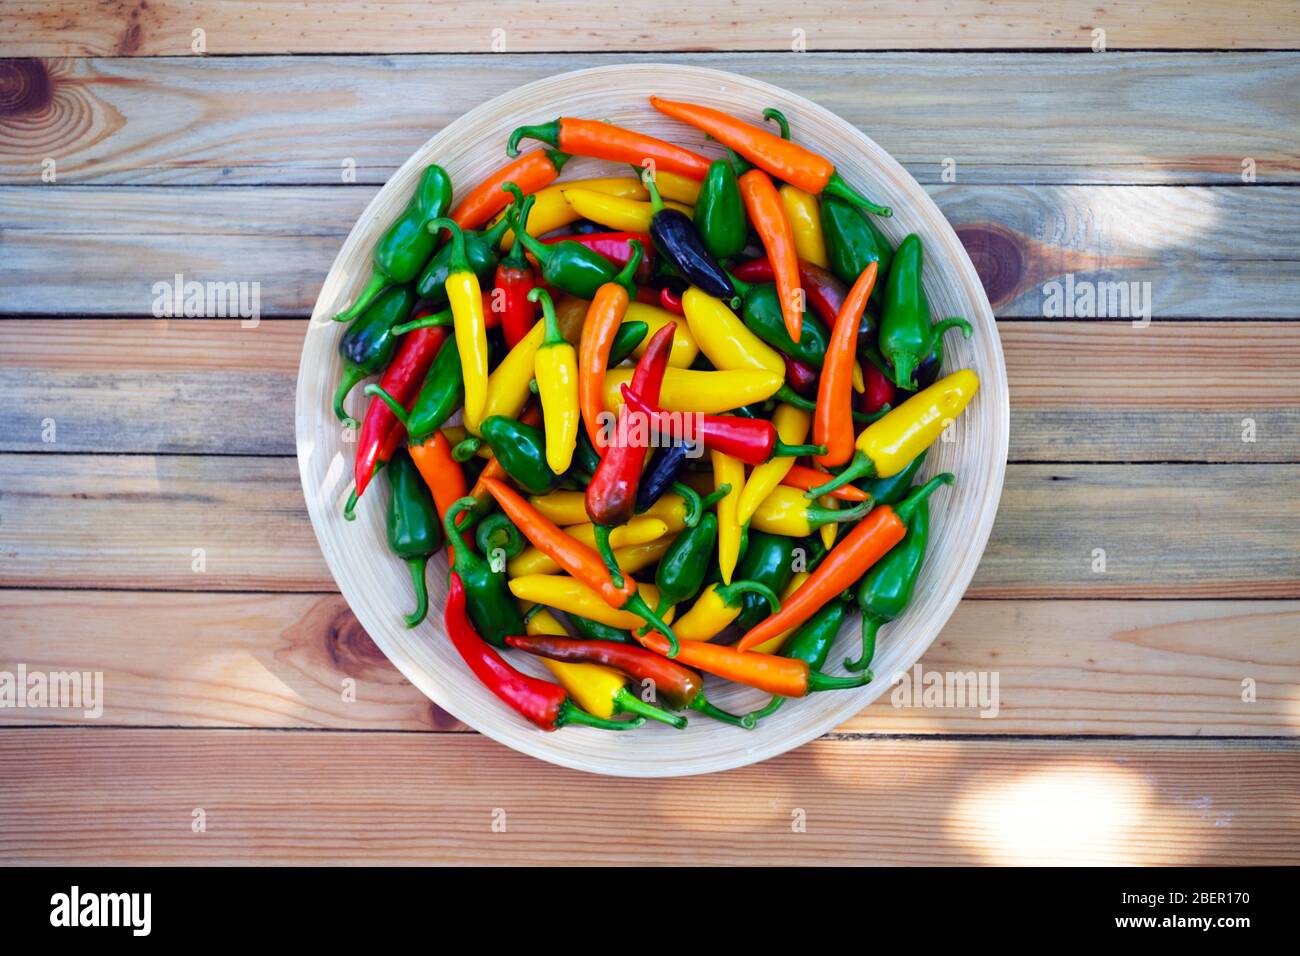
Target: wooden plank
x=1202, y=252
x=165, y=27
x=1169, y=531
x=1117, y=118
x=1080, y=391
x=285, y=661
x=130, y=796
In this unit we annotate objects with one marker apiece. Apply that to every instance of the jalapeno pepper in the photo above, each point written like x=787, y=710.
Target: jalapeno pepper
x=414, y=532
x=442, y=392
x=491, y=606
x=626, y=340
x=676, y=238
x=617, y=247
x=720, y=212
x=681, y=572
x=405, y=246
x=769, y=559
x=907, y=335
x=567, y=265
x=853, y=241
x=521, y=450
x=368, y=344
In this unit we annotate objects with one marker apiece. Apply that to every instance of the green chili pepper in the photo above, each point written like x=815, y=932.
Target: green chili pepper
x=626, y=339
x=406, y=245
x=498, y=532
x=887, y=588
x=441, y=394
x=480, y=254
x=720, y=212
x=761, y=312
x=368, y=344
x=521, y=449
x=811, y=643
x=892, y=490
x=590, y=630
x=567, y=265
x=853, y=242
x=681, y=570
x=491, y=606
x=768, y=559
x=907, y=336
x=414, y=532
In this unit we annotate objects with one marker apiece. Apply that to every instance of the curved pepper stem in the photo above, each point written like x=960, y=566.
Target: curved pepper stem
x=393, y=404
x=819, y=681
x=637, y=605
x=768, y=709
x=377, y=284
x=867, y=418
x=466, y=449
x=548, y=133
x=490, y=534
x=629, y=703
x=790, y=397
x=772, y=114
x=859, y=466
x=728, y=593
x=909, y=504
x=350, y=508
x=782, y=450
x=417, y=566
x=656, y=201
x=571, y=713
x=607, y=554
x=818, y=516
x=553, y=334
x=746, y=721
x=437, y=320
x=626, y=275
x=522, y=206
x=540, y=250
x=836, y=186
x=351, y=376
x=694, y=503
x=461, y=554
x=870, y=625
x=713, y=497
x=457, y=260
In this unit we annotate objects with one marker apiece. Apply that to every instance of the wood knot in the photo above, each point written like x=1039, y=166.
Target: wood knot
x=348, y=643
x=998, y=259
x=25, y=87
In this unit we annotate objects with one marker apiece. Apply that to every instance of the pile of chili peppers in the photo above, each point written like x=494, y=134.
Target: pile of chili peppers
x=684, y=409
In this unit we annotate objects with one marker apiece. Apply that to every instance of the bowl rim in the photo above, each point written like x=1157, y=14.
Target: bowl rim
x=835, y=713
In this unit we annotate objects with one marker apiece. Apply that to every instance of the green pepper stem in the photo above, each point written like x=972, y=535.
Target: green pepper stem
x=743, y=288
x=819, y=681
x=859, y=466
x=540, y=250
x=490, y=531
x=377, y=284
x=548, y=133
x=772, y=114
x=607, y=554
x=836, y=186
x=694, y=503
x=571, y=713
x=523, y=206
x=457, y=260
x=626, y=275
x=870, y=625
x=637, y=605
x=437, y=320
x=466, y=449
x=557, y=158
x=417, y=566
x=729, y=592
x=351, y=375
x=708, y=709
x=868, y=417
x=904, y=374
x=782, y=450
x=909, y=504
x=713, y=497
x=818, y=516
x=788, y=395
x=461, y=554
x=768, y=709
x=393, y=404
x=350, y=508
x=553, y=334
x=953, y=322
x=656, y=201
x=631, y=704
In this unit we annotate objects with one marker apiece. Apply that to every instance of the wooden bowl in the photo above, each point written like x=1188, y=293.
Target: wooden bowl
x=376, y=584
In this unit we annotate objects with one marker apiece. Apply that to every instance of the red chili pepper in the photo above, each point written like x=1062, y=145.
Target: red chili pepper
x=672, y=301
x=545, y=704
x=822, y=291
x=380, y=431
x=611, y=496
x=752, y=440
x=646, y=295
x=879, y=391
x=616, y=247
x=800, y=377
x=514, y=280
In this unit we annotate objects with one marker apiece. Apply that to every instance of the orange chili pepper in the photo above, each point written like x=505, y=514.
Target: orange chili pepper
x=601, y=140
x=599, y=329
x=767, y=213
x=442, y=473
x=787, y=676
x=858, y=550
x=530, y=172
x=783, y=159
x=833, y=417
x=801, y=476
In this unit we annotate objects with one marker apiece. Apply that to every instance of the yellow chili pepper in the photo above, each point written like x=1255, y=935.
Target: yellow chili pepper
x=552, y=211
x=831, y=529
x=637, y=531
x=786, y=511
x=684, y=348
x=567, y=508
x=690, y=390
x=716, y=607
x=888, y=445
x=792, y=426
x=555, y=366
x=469, y=323
x=563, y=593
x=725, y=339
x=598, y=690
x=775, y=644
x=728, y=471
x=615, y=212
x=677, y=187
x=805, y=218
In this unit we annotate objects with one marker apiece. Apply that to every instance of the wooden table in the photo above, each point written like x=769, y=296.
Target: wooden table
x=152, y=525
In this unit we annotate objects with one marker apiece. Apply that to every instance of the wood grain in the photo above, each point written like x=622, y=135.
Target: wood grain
x=295, y=120
x=129, y=797
x=1171, y=531
x=289, y=661
x=1020, y=238
x=165, y=27
x=1080, y=391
